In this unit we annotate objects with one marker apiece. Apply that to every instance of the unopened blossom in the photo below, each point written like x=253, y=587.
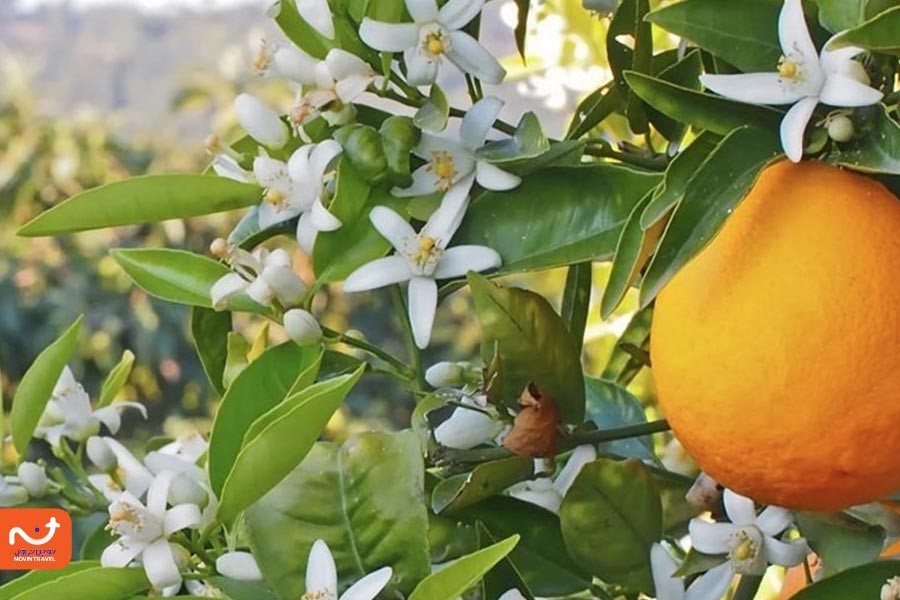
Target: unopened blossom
x=448, y=161
x=33, y=478
x=260, y=121
x=435, y=34
x=422, y=257
x=749, y=540
x=446, y=374
x=470, y=425
x=69, y=413
x=302, y=327
x=549, y=493
x=240, y=566
x=263, y=275
x=330, y=88
x=143, y=532
x=803, y=78
x=322, y=582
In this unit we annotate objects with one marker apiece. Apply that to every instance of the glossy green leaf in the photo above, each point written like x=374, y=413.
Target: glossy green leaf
x=686, y=73
x=593, y=110
x=364, y=498
x=248, y=234
x=610, y=518
x=743, y=33
x=577, y=299
x=621, y=366
x=534, y=345
x=88, y=583
x=260, y=387
x=242, y=590
x=173, y=275
x=483, y=481
x=236, y=359
x=37, y=385
x=629, y=22
x=116, y=379
x=878, y=34
x=97, y=541
x=610, y=406
x=209, y=332
x=339, y=253
x=270, y=456
x=541, y=555
x=559, y=216
x=703, y=111
x=840, y=15
x=33, y=579
x=841, y=541
x=505, y=575
x=454, y=579
x=678, y=174
x=721, y=182
x=876, y=147
x=145, y=199
x=859, y=582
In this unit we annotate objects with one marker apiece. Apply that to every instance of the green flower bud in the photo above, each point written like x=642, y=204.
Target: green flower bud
x=841, y=129
x=362, y=146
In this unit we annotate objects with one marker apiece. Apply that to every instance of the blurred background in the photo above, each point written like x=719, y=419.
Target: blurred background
x=92, y=91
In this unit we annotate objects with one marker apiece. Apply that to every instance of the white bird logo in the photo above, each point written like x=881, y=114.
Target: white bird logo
x=53, y=525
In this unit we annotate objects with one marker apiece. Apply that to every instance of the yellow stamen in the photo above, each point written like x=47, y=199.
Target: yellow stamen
x=434, y=44
x=744, y=551
x=444, y=169
x=787, y=68
x=275, y=198
x=427, y=249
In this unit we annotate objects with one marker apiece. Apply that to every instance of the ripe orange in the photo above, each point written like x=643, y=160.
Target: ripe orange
x=776, y=351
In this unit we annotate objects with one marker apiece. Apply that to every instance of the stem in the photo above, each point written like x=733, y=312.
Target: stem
x=415, y=356
x=602, y=149
x=340, y=338
x=748, y=587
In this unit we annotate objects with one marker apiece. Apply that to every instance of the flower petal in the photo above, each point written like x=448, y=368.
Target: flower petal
x=388, y=37
x=466, y=429
x=369, y=586
x=711, y=538
x=352, y=87
x=378, y=273
x=424, y=183
x=459, y=260
x=226, y=166
x=581, y=456
x=226, y=287
x=456, y=14
x=422, y=11
x=158, y=494
x=833, y=61
x=471, y=57
x=840, y=90
x=306, y=233
x=298, y=164
x=740, y=509
x=540, y=494
x=295, y=64
x=343, y=64
x=793, y=126
x=321, y=573
x=137, y=478
x=422, y=306
x=120, y=553
x=711, y=585
x=240, y=566
x=392, y=227
x=793, y=33
x=477, y=123
x=159, y=564
x=662, y=565
x=492, y=177
x=444, y=222
x=318, y=14
x=321, y=157
x=286, y=284
x=755, y=88
x=322, y=219
x=261, y=122
x=512, y=594
x=181, y=517
x=773, y=520
x=420, y=68
x=786, y=554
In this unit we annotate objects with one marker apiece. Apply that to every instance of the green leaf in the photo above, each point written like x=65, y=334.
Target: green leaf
x=339, y=253
x=236, y=359
x=577, y=299
x=743, y=33
x=364, y=498
x=116, y=379
x=260, y=387
x=37, y=385
x=622, y=365
x=632, y=253
x=721, y=182
x=678, y=174
x=145, y=199
x=628, y=22
x=558, y=216
x=876, y=147
x=533, y=343
x=858, y=582
x=450, y=582
x=248, y=234
x=173, y=275
x=521, y=32
x=209, y=331
x=267, y=458
x=97, y=541
x=505, y=575
x=593, y=110
x=686, y=73
x=485, y=480
x=878, y=34
x=298, y=30
x=242, y=590
x=839, y=15
x=610, y=518
x=700, y=110
x=610, y=406
x=434, y=114
x=34, y=579
x=841, y=541
x=528, y=142
x=86, y=582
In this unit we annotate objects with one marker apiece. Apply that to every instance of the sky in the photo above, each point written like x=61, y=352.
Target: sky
x=156, y=6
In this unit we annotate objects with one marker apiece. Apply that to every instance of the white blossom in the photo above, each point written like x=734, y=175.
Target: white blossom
x=470, y=425
x=549, y=493
x=329, y=88
x=259, y=120
x=263, y=275
x=124, y=474
x=321, y=578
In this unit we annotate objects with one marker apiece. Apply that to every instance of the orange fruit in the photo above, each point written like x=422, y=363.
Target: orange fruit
x=776, y=350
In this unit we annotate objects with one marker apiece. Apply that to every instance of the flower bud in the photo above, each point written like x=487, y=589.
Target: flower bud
x=302, y=327
x=11, y=494
x=467, y=428
x=219, y=248
x=261, y=122
x=840, y=129
x=445, y=374
x=238, y=565
x=99, y=453
x=33, y=478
